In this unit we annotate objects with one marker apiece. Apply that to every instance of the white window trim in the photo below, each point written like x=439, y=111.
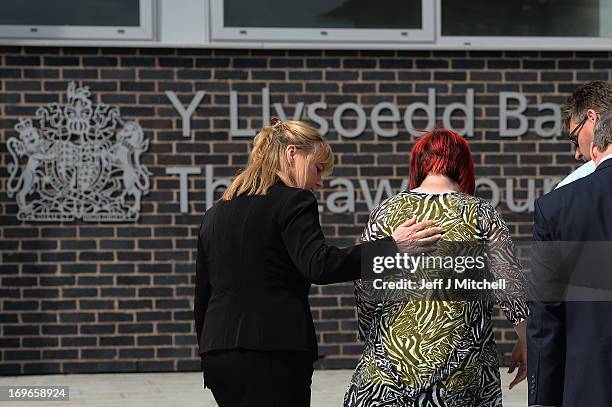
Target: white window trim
x=143, y=32
x=502, y=43
x=247, y=34
x=171, y=26
x=525, y=43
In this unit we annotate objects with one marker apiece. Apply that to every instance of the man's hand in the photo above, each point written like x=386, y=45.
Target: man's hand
x=519, y=355
x=413, y=238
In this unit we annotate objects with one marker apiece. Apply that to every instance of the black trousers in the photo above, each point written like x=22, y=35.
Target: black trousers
x=247, y=378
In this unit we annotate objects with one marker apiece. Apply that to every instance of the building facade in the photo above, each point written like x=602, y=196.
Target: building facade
x=113, y=292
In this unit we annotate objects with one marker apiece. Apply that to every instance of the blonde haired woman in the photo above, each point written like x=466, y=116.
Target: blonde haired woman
x=259, y=249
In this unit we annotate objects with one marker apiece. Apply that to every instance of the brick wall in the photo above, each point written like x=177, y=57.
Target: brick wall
x=101, y=297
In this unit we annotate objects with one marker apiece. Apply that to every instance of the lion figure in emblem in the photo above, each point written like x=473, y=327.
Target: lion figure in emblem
x=36, y=148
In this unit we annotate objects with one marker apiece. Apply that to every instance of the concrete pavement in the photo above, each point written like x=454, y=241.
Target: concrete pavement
x=185, y=389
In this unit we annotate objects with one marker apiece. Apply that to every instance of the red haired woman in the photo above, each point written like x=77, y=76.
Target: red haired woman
x=437, y=353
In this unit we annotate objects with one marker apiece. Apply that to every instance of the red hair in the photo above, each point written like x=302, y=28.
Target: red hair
x=443, y=152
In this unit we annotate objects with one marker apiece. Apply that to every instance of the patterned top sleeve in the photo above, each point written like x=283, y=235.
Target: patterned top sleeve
x=504, y=264
x=366, y=305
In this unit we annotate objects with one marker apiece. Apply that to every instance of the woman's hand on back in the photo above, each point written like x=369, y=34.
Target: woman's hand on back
x=414, y=237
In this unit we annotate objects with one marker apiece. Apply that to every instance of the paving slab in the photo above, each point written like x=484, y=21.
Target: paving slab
x=185, y=389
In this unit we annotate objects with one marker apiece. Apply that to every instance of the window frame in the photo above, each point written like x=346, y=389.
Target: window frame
x=144, y=31
x=219, y=33
x=501, y=43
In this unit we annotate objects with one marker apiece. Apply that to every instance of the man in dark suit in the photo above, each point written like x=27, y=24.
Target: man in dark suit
x=569, y=332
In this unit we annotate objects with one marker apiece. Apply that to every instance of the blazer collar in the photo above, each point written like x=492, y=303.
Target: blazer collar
x=607, y=163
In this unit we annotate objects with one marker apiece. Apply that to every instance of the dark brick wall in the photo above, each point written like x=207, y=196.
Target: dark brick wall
x=87, y=297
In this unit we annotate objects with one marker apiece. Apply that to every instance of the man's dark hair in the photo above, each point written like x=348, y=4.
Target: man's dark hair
x=596, y=95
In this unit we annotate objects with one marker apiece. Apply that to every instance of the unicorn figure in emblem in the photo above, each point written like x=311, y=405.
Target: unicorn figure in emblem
x=125, y=155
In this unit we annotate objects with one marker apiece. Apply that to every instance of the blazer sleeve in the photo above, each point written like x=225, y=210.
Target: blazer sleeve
x=202, y=288
x=545, y=326
x=317, y=261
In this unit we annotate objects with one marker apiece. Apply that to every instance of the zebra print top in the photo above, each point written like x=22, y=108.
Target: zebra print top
x=433, y=353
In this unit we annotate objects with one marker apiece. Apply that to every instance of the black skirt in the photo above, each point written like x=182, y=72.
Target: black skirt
x=248, y=378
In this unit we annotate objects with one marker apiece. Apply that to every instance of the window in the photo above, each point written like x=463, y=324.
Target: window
x=323, y=20
x=521, y=22
x=83, y=19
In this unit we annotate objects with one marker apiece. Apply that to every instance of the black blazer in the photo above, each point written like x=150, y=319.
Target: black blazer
x=570, y=342
x=257, y=256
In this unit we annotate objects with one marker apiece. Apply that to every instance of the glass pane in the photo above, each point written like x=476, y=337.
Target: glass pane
x=546, y=18
x=115, y=13
x=381, y=14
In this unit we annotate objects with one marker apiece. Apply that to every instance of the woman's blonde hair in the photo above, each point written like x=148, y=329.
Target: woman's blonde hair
x=268, y=160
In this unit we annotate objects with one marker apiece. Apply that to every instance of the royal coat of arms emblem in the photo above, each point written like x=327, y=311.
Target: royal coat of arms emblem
x=78, y=161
